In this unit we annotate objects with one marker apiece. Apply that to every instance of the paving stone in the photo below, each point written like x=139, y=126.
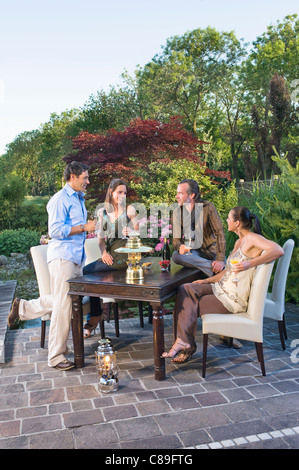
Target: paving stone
x=96, y=436
x=167, y=442
x=82, y=418
x=21, y=442
x=234, y=430
x=153, y=407
x=52, y=440
x=81, y=392
x=194, y=437
x=112, y=413
x=137, y=428
x=10, y=428
x=234, y=407
x=210, y=399
x=186, y=420
x=183, y=403
x=245, y=411
x=40, y=424
x=47, y=396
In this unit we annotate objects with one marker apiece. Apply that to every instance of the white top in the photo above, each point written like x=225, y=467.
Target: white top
x=234, y=288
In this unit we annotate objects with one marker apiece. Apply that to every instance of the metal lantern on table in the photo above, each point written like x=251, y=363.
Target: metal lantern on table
x=134, y=248
x=107, y=367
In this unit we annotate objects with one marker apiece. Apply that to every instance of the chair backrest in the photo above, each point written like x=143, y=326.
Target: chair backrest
x=281, y=273
x=92, y=250
x=258, y=291
x=39, y=258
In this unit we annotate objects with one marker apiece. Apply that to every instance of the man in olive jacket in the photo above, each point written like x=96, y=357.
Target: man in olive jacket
x=199, y=220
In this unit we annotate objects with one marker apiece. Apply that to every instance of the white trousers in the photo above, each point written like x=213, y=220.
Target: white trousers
x=59, y=303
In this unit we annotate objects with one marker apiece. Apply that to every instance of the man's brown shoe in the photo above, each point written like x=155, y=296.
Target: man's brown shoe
x=13, y=316
x=65, y=365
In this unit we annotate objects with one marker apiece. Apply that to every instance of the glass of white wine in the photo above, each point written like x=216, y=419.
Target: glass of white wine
x=187, y=243
x=234, y=261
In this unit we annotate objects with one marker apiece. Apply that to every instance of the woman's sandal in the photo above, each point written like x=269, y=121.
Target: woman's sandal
x=176, y=351
x=184, y=355
x=89, y=328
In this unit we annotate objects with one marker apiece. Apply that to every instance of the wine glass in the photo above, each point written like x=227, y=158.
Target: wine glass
x=234, y=261
x=91, y=215
x=124, y=236
x=187, y=243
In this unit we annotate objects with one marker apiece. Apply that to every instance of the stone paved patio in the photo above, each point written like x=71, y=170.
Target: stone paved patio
x=234, y=407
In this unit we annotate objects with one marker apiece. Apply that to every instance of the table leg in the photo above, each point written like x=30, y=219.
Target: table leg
x=158, y=339
x=77, y=329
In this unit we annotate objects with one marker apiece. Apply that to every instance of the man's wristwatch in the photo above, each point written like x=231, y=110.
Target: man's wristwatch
x=82, y=227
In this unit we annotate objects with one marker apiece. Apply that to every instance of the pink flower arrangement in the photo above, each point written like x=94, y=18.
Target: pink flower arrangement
x=159, y=246
x=91, y=235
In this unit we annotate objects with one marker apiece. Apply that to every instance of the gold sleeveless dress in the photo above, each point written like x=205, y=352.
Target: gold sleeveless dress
x=234, y=288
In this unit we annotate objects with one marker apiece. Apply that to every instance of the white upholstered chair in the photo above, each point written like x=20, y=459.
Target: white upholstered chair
x=93, y=253
x=248, y=325
x=275, y=300
x=39, y=258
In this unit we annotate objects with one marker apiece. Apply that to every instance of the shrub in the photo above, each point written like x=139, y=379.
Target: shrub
x=277, y=206
x=32, y=217
x=18, y=241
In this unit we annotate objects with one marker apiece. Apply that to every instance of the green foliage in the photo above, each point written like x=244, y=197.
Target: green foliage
x=12, y=193
x=32, y=217
x=159, y=185
x=277, y=206
x=17, y=211
x=206, y=77
x=17, y=241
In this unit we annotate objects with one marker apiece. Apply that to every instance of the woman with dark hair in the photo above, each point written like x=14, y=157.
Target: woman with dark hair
x=114, y=222
x=226, y=292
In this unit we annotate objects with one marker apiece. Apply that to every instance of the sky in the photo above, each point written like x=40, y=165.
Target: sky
x=55, y=54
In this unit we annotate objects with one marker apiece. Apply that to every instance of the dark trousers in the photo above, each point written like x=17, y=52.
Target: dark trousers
x=194, y=300
x=95, y=302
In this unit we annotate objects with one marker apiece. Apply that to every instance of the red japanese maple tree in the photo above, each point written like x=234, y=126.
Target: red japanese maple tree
x=117, y=154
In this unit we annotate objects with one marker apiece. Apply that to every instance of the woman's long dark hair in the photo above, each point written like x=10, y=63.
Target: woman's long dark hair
x=246, y=218
x=111, y=188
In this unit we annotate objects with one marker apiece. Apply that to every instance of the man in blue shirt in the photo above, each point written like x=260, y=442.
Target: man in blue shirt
x=67, y=229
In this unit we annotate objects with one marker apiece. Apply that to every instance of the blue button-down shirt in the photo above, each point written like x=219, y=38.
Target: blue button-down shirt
x=66, y=209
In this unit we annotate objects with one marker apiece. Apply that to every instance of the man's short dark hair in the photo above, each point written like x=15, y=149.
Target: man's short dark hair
x=74, y=168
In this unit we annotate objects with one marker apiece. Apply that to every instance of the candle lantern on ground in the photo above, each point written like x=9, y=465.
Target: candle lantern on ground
x=107, y=367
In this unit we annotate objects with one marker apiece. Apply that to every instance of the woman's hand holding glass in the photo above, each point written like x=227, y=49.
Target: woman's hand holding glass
x=233, y=262
x=239, y=266
x=188, y=245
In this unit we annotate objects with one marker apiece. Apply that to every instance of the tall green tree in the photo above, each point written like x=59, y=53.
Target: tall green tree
x=275, y=51
x=56, y=142
x=21, y=159
x=185, y=76
x=104, y=111
x=267, y=74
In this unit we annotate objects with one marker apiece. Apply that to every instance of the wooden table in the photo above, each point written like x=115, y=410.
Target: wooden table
x=155, y=288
